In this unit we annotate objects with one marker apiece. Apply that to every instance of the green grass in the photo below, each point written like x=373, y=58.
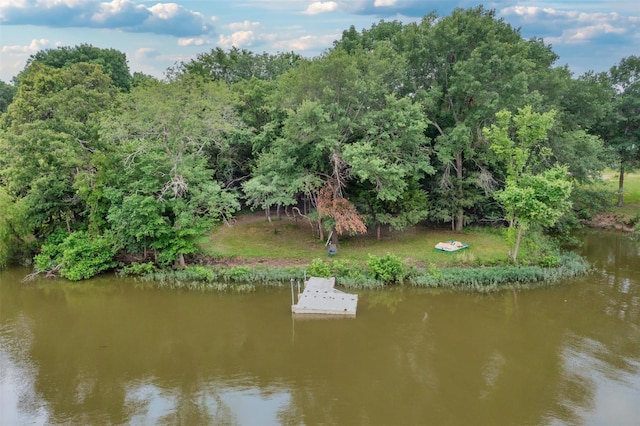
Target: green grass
x=631, y=186
x=287, y=241
x=631, y=194
x=251, y=238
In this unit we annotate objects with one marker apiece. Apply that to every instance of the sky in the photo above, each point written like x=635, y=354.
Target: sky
x=588, y=35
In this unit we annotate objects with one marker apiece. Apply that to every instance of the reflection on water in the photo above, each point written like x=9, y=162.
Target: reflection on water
x=612, y=384
x=215, y=404
x=108, y=352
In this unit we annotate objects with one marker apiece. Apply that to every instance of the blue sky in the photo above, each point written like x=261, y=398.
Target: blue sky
x=588, y=35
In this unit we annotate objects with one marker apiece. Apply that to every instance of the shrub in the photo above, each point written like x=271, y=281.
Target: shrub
x=319, y=268
x=237, y=273
x=137, y=269
x=344, y=268
x=549, y=261
x=388, y=268
x=79, y=256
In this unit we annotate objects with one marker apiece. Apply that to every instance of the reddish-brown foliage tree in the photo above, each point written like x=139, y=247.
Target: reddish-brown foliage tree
x=331, y=204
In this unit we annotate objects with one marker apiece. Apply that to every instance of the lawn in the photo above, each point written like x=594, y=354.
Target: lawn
x=252, y=238
x=631, y=192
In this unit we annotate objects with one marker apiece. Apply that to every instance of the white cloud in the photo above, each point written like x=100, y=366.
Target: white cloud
x=585, y=34
x=126, y=15
x=244, y=26
x=307, y=42
x=165, y=10
x=237, y=39
x=198, y=41
x=15, y=56
x=321, y=7
x=384, y=3
x=576, y=27
x=146, y=53
x=113, y=9
x=29, y=49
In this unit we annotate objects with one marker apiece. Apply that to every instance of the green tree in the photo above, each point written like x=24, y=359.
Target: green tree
x=464, y=68
x=164, y=196
x=7, y=92
x=580, y=104
x=50, y=140
x=621, y=128
x=344, y=123
x=529, y=199
x=13, y=229
x=113, y=62
x=237, y=65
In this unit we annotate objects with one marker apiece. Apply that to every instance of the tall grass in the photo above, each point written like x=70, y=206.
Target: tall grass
x=360, y=276
x=499, y=277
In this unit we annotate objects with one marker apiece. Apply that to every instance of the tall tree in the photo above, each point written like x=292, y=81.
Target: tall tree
x=237, y=65
x=13, y=231
x=165, y=196
x=528, y=198
x=50, y=139
x=580, y=104
x=345, y=123
x=7, y=92
x=113, y=62
x=464, y=68
x=621, y=128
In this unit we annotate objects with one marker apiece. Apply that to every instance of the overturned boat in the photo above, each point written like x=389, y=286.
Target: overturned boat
x=320, y=296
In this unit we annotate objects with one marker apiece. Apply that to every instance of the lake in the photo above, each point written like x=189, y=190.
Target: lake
x=110, y=351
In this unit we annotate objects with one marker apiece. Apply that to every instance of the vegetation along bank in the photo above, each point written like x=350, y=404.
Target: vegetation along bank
x=452, y=124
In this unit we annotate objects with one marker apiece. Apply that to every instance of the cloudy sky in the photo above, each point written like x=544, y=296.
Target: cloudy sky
x=587, y=34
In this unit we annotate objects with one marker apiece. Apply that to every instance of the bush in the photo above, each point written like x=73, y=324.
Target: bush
x=237, y=273
x=137, y=269
x=319, y=268
x=388, y=268
x=79, y=256
x=495, y=278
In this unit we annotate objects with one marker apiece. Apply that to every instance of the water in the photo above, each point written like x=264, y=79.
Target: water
x=109, y=352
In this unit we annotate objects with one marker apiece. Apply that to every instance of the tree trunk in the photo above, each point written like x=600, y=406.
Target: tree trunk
x=278, y=213
x=320, y=230
x=378, y=227
x=181, y=261
x=459, y=175
x=334, y=236
x=517, y=244
x=621, y=186
x=460, y=220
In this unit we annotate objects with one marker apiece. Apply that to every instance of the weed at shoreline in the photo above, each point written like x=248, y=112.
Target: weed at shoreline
x=243, y=279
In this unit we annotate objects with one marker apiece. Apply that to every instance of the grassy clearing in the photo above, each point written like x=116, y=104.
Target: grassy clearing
x=255, y=252
x=629, y=214
x=631, y=187
x=252, y=237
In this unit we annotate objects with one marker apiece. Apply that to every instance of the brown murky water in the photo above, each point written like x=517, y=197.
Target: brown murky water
x=106, y=352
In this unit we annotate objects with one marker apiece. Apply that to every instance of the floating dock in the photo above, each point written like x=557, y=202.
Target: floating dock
x=320, y=297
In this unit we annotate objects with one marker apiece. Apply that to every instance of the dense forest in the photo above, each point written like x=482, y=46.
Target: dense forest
x=455, y=120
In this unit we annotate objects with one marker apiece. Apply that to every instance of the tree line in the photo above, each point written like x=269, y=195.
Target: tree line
x=456, y=120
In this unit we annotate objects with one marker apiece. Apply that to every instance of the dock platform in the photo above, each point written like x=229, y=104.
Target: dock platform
x=321, y=297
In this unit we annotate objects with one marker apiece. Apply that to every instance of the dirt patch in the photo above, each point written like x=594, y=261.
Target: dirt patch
x=612, y=221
